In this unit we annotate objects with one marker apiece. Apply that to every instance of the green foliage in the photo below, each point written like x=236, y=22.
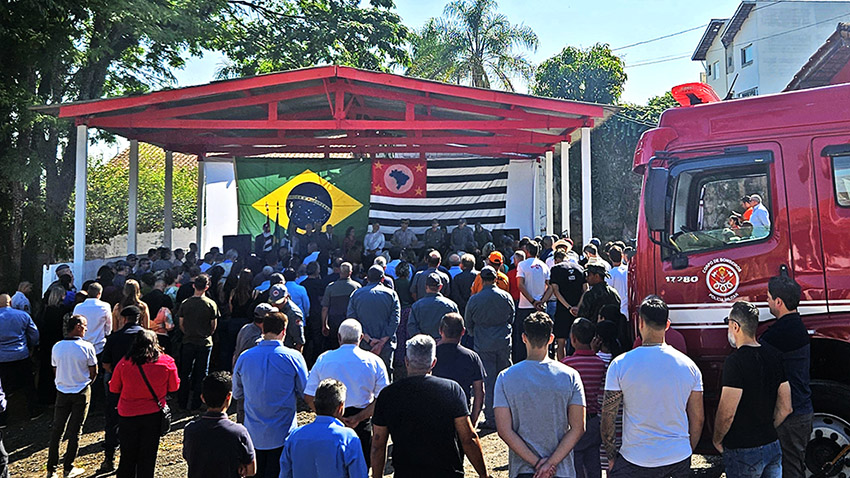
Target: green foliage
x=262, y=36
x=597, y=75
x=107, y=198
x=472, y=44
x=594, y=74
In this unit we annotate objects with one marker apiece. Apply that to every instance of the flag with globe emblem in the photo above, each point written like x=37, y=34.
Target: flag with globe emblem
x=299, y=192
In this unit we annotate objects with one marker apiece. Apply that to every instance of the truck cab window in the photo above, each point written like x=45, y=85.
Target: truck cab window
x=721, y=208
x=841, y=174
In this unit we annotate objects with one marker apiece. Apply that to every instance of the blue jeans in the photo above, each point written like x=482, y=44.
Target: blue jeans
x=759, y=462
x=194, y=365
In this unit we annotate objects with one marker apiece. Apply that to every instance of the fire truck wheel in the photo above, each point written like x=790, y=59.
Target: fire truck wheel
x=830, y=427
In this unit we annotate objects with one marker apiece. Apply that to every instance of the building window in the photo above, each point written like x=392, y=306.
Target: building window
x=747, y=55
x=730, y=60
x=748, y=93
x=841, y=175
x=714, y=70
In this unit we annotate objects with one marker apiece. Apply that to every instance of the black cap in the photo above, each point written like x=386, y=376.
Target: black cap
x=375, y=273
x=488, y=274
x=131, y=311
x=433, y=280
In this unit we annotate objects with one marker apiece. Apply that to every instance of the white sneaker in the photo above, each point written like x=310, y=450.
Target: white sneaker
x=52, y=474
x=74, y=472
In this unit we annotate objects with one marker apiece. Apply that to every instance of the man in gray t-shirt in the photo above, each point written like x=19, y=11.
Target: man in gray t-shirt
x=540, y=406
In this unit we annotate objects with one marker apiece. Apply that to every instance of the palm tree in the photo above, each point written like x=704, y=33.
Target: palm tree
x=472, y=44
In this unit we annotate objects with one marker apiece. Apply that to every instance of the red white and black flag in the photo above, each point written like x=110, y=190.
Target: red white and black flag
x=443, y=188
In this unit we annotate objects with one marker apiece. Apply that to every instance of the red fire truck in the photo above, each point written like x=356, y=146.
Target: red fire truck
x=792, y=150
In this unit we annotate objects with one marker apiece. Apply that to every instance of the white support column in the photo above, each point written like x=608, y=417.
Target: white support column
x=168, y=202
x=80, y=202
x=133, y=203
x=535, y=206
x=199, y=234
x=565, y=187
x=549, y=195
x=586, y=200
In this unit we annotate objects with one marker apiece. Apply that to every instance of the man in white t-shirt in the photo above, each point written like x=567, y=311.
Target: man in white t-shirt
x=98, y=316
x=619, y=278
x=533, y=281
x=661, y=392
x=75, y=365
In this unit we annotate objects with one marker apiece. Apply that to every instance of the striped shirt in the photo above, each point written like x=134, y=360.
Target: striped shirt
x=591, y=369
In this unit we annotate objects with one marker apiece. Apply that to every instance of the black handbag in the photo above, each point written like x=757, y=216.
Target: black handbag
x=165, y=426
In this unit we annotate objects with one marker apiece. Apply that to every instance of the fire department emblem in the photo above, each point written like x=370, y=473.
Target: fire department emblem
x=722, y=276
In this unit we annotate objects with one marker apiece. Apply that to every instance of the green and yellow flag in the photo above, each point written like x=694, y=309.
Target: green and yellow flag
x=293, y=193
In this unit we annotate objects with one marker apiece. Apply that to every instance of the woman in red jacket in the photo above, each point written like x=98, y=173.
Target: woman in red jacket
x=140, y=416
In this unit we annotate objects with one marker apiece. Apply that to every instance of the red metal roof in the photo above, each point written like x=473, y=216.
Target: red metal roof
x=338, y=109
x=830, y=65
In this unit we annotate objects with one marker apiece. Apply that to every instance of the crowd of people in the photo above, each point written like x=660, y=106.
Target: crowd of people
x=410, y=340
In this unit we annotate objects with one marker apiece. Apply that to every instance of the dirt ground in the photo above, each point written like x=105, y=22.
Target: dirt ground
x=27, y=447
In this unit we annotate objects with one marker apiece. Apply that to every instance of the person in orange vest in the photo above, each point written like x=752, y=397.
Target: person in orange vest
x=747, y=203
x=495, y=260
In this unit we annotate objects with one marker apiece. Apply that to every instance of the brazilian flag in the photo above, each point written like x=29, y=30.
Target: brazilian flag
x=293, y=193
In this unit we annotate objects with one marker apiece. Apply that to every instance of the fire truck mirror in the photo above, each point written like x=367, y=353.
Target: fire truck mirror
x=655, y=195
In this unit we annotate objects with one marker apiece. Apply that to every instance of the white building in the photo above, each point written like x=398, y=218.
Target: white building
x=763, y=45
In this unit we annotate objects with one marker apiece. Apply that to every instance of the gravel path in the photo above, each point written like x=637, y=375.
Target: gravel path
x=27, y=446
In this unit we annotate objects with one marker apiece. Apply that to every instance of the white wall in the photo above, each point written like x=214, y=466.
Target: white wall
x=519, y=207
x=222, y=217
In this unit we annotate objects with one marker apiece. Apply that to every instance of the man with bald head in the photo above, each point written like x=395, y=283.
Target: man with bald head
x=363, y=374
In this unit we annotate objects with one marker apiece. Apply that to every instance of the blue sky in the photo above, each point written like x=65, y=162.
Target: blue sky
x=565, y=22
x=559, y=23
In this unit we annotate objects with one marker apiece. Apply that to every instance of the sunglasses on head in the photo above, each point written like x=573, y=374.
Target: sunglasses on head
x=726, y=321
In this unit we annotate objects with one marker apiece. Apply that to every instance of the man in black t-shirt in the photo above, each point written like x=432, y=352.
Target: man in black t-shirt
x=458, y=363
x=567, y=282
x=428, y=419
x=755, y=399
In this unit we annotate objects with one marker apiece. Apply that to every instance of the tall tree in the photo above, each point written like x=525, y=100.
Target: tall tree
x=56, y=51
x=597, y=75
x=594, y=74
x=473, y=44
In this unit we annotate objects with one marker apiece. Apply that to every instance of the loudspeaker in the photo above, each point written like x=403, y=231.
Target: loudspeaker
x=243, y=243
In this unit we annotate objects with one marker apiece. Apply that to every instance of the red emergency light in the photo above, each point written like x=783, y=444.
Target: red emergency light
x=690, y=94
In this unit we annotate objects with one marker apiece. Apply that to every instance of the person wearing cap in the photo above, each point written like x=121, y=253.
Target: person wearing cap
x=495, y=261
x=279, y=297
x=62, y=270
x=462, y=283
x=117, y=345
x=362, y=373
x=269, y=378
x=489, y=315
x=533, y=283
x=417, y=285
x=403, y=237
x=249, y=336
x=598, y=294
x=198, y=317
x=426, y=313
x=462, y=237
x=435, y=237
x=378, y=309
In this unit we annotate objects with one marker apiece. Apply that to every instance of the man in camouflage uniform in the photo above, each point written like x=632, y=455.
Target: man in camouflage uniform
x=598, y=295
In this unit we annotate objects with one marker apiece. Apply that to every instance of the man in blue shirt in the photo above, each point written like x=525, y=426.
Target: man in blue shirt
x=325, y=447
x=18, y=334
x=378, y=310
x=269, y=378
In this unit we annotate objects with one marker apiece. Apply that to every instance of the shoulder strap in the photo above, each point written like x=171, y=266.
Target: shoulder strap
x=150, y=388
